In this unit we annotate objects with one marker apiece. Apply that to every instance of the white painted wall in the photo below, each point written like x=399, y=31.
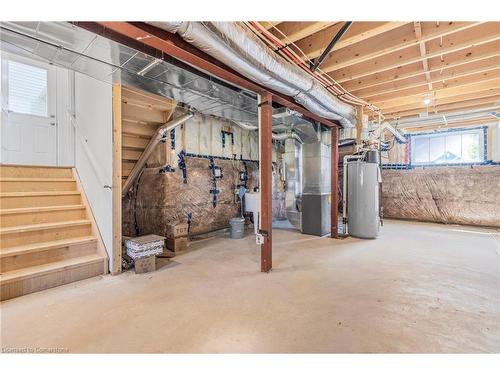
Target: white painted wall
x=65, y=131
x=94, y=150
x=65, y=146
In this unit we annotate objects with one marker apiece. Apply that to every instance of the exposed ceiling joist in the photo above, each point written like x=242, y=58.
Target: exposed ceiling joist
x=314, y=45
x=456, y=99
x=458, y=60
x=423, y=52
x=393, y=41
x=477, y=36
x=452, y=107
x=436, y=75
x=451, y=124
x=298, y=30
x=439, y=94
x=422, y=88
x=269, y=24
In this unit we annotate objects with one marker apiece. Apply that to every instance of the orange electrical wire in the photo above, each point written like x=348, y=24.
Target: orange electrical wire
x=283, y=49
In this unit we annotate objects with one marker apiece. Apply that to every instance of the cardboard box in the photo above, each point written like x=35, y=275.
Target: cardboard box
x=144, y=246
x=177, y=230
x=146, y=264
x=177, y=244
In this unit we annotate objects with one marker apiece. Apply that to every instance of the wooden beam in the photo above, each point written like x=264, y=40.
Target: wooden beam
x=423, y=52
x=298, y=30
x=334, y=183
x=393, y=41
x=439, y=94
x=455, y=60
x=422, y=88
x=475, y=36
x=359, y=124
x=453, y=100
x=268, y=25
x=265, y=178
x=452, y=124
x=116, y=189
x=486, y=102
x=314, y=45
x=437, y=76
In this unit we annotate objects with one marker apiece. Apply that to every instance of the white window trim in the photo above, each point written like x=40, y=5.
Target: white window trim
x=456, y=131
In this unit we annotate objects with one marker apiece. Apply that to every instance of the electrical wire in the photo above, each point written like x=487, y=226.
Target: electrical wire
x=284, y=50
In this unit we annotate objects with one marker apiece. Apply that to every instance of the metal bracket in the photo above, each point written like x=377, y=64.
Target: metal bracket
x=263, y=233
x=182, y=165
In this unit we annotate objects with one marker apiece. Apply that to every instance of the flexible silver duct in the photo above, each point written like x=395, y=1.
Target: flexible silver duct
x=393, y=131
x=276, y=137
x=293, y=194
x=155, y=139
x=285, y=136
x=237, y=47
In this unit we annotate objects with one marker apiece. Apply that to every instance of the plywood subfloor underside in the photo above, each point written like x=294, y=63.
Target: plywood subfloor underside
x=418, y=288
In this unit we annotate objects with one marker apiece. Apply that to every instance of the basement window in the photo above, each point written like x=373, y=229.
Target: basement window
x=455, y=146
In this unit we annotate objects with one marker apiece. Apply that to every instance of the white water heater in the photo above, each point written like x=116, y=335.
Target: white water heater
x=363, y=195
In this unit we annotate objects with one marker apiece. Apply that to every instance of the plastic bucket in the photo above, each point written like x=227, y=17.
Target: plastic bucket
x=237, y=225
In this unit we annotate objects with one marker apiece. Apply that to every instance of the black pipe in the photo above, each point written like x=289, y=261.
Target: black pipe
x=330, y=46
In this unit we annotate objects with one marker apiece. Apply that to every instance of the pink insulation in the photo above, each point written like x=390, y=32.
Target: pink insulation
x=159, y=199
x=458, y=195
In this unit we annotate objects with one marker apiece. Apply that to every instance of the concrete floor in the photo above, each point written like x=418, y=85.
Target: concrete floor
x=418, y=288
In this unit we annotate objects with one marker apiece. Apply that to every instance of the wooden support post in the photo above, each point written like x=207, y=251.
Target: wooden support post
x=265, y=177
x=359, y=124
x=334, y=207
x=116, y=265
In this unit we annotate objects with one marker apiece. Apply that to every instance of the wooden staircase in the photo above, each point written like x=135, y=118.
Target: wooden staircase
x=48, y=236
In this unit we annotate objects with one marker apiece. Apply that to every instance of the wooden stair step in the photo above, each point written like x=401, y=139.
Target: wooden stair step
x=18, y=257
x=21, y=171
x=36, y=233
x=9, y=200
x=8, y=277
x=45, y=226
x=33, y=279
x=36, y=184
x=22, y=210
x=41, y=179
x=42, y=246
x=37, y=193
x=39, y=215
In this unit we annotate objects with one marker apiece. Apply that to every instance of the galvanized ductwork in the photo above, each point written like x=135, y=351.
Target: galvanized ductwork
x=316, y=187
x=276, y=137
x=237, y=47
x=293, y=195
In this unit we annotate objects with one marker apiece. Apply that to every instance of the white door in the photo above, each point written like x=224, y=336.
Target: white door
x=29, y=123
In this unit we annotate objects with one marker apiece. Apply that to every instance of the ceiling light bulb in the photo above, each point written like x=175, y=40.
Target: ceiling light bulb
x=427, y=101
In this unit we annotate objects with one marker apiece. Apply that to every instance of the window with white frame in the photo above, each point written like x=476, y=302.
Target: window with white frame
x=27, y=92
x=448, y=147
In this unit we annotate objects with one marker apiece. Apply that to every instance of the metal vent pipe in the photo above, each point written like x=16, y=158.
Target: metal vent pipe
x=155, y=139
x=236, y=46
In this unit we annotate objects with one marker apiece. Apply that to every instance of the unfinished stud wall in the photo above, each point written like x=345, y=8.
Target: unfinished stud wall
x=444, y=194
x=160, y=195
